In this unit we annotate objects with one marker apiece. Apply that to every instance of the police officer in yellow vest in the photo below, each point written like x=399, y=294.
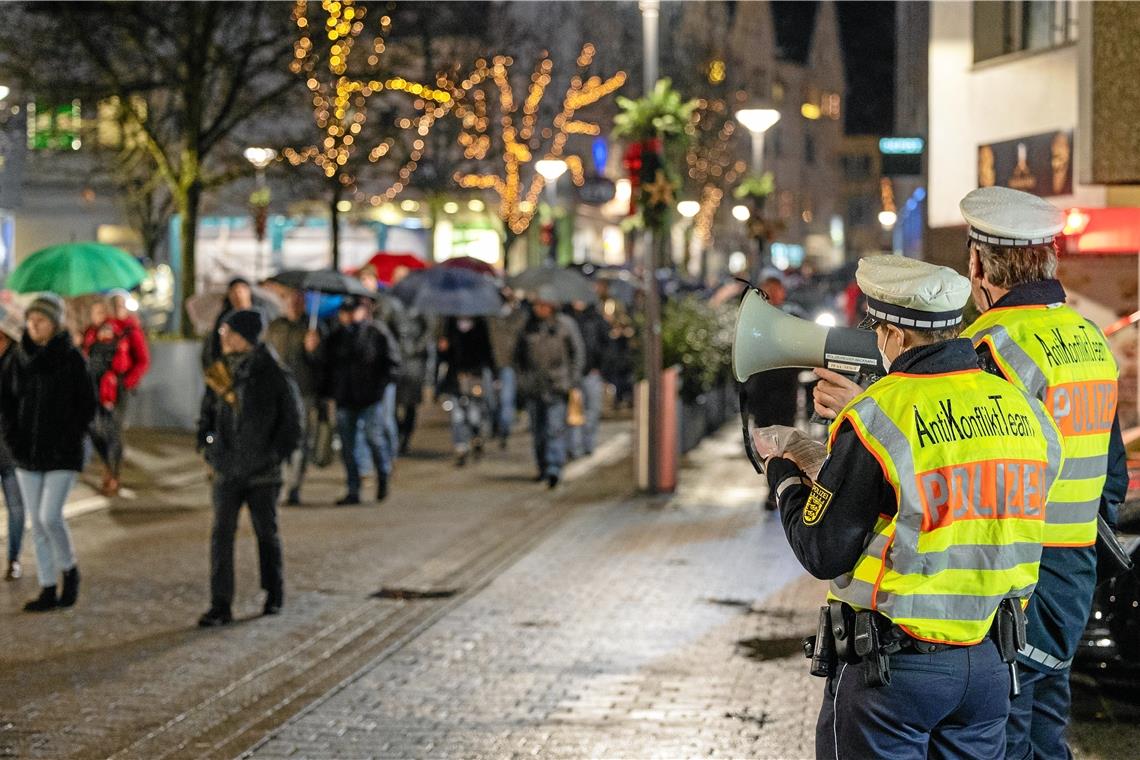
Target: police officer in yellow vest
x=1028, y=335
x=927, y=517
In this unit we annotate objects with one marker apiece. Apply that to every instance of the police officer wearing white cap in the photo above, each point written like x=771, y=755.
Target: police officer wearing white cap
x=1028, y=335
x=927, y=518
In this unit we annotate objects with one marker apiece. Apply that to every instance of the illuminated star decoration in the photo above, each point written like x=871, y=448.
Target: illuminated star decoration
x=340, y=96
x=517, y=142
x=659, y=191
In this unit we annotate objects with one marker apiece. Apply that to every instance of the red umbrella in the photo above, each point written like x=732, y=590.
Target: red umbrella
x=470, y=264
x=386, y=264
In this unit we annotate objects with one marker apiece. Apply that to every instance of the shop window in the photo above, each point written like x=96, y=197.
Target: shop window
x=1012, y=26
x=54, y=127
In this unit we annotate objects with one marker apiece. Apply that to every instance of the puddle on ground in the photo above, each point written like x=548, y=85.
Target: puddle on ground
x=412, y=594
x=762, y=650
x=747, y=716
x=744, y=604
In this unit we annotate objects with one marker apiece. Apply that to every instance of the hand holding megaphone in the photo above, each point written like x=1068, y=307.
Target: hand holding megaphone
x=832, y=393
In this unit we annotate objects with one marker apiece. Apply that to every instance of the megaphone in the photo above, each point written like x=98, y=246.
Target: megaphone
x=767, y=338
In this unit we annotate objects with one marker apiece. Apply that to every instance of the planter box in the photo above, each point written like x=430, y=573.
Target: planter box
x=170, y=394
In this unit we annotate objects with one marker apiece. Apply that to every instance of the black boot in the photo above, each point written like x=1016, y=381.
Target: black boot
x=44, y=602
x=381, y=487
x=215, y=616
x=70, y=591
x=273, y=602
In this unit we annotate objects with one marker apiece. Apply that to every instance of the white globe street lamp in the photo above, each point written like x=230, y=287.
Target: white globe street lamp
x=688, y=209
x=741, y=213
x=888, y=219
x=758, y=121
x=260, y=157
x=551, y=168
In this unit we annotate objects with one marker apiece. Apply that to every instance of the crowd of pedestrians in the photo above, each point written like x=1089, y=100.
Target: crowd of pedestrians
x=277, y=388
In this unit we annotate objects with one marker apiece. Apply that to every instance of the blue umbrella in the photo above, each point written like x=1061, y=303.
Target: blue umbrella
x=446, y=292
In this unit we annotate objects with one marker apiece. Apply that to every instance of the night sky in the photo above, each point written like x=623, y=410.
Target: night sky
x=867, y=34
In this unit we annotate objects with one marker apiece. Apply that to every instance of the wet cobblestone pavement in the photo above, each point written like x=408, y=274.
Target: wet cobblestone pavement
x=583, y=624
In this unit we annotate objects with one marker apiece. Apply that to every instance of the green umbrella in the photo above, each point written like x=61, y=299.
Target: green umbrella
x=76, y=269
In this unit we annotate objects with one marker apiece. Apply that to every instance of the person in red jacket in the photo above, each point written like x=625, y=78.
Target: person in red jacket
x=117, y=359
x=133, y=334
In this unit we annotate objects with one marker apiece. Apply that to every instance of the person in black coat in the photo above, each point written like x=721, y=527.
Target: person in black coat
x=596, y=339
x=249, y=424
x=11, y=330
x=465, y=349
x=46, y=404
x=361, y=357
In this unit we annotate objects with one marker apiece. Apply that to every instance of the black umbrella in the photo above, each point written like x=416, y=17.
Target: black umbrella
x=565, y=285
x=323, y=281
x=447, y=292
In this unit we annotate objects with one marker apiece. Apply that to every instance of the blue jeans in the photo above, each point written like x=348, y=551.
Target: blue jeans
x=1038, y=717
x=15, y=504
x=468, y=414
x=44, y=494
x=584, y=438
x=949, y=704
x=548, y=425
x=391, y=434
x=349, y=424
x=505, y=412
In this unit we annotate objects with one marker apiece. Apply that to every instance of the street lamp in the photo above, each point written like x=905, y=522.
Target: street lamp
x=260, y=158
x=888, y=219
x=688, y=209
x=757, y=121
x=741, y=213
x=551, y=169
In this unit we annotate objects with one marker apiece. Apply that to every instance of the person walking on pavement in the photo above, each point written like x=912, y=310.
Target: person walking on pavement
x=239, y=297
x=250, y=423
x=927, y=516
x=465, y=349
x=595, y=333
x=504, y=329
x=360, y=358
x=549, y=356
x=286, y=335
x=46, y=404
x=113, y=362
x=11, y=330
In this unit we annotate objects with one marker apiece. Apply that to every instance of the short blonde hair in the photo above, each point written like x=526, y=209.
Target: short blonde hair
x=1006, y=266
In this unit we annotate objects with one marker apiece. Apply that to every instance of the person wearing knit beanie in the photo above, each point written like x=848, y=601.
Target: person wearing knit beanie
x=247, y=323
x=51, y=306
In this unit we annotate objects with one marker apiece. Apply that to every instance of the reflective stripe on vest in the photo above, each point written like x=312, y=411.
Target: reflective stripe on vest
x=1055, y=355
x=971, y=460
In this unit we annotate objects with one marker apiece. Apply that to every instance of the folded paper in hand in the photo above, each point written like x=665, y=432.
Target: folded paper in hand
x=790, y=443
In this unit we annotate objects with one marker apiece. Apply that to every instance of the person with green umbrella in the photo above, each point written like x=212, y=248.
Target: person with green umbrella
x=46, y=403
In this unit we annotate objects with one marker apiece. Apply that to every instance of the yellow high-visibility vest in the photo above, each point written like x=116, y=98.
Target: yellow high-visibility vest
x=1054, y=354
x=972, y=460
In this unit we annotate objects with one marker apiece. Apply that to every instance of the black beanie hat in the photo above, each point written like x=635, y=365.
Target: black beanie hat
x=247, y=323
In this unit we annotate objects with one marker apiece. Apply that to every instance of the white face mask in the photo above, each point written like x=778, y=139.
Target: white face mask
x=883, y=354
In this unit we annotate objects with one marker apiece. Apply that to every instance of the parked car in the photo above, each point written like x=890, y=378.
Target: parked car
x=1110, y=647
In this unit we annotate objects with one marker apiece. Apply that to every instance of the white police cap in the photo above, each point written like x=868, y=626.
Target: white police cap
x=911, y=293
x=1008, y=217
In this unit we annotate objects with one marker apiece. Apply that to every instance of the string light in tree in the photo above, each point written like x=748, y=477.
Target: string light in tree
x=492, y=118
x=712, y=164
x=324, y=54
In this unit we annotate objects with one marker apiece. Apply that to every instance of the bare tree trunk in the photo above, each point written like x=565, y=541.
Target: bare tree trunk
x=188, y=203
